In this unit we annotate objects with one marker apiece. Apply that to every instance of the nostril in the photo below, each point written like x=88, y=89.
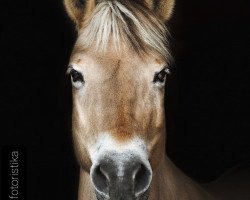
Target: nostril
x=100, y=180
x=142, y=179
x=103, y=173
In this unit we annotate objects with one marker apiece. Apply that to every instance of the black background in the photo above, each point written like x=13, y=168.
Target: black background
x=207, y=101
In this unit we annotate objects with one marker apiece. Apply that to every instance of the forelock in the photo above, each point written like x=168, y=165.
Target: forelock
x=124, y=24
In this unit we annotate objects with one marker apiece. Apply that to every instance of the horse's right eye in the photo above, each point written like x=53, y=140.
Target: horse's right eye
x=76, y=76
x=160, y=77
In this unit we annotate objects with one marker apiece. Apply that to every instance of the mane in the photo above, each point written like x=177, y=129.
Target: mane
x=125, y=23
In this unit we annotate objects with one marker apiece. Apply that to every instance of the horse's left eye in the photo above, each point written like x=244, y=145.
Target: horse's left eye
x=160, y=76
x=76, y=76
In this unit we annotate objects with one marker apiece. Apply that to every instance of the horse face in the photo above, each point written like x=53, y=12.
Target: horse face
x=118, y=118
x=118, y=70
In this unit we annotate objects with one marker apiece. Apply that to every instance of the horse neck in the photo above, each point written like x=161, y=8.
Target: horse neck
x=168, y=183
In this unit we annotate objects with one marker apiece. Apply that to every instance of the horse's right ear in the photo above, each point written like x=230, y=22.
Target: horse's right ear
x=78, y=9
x=162, y=8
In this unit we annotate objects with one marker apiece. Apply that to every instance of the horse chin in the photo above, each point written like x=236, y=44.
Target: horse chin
x=143, y=196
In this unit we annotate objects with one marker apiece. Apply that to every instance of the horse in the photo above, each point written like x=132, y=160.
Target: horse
x=118, y=70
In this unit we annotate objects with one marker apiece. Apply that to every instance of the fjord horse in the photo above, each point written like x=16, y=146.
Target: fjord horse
x=118, y=69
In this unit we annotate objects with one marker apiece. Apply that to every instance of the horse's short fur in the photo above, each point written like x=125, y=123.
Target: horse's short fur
x=118, y=109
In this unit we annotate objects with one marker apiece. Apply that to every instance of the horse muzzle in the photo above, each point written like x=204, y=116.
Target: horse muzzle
x=121, y=176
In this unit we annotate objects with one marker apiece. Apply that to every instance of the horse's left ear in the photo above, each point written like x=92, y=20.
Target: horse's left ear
x=163, y=8
x=78, y=9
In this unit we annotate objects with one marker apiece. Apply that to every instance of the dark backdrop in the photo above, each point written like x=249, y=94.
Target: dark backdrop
x=207, y=99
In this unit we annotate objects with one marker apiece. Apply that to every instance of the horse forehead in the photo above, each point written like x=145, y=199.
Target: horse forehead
x=112, y=57
x=109, y=65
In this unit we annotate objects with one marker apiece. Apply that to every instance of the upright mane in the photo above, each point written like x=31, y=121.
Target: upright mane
x=123, y=23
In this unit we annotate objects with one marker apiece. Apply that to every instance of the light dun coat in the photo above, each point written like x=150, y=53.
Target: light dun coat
x=118, y=69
